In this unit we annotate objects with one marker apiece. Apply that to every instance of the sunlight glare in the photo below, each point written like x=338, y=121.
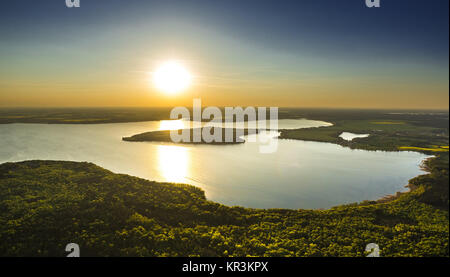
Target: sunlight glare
x=173, y=124
x=171, y=77
x=173, y=162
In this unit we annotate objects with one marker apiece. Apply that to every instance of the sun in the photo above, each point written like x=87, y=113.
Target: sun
x=171, y=77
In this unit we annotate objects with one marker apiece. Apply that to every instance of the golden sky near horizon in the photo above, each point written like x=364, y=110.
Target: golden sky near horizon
x=137, y=90
x=106, y=56
x=125, y=80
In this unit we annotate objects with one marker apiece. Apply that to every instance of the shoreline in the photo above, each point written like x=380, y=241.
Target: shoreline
x=409, y=186
x=385, y=199
x=340, y=142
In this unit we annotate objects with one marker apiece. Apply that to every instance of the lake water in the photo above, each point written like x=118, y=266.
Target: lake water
x=299, y=174
x=350, y=136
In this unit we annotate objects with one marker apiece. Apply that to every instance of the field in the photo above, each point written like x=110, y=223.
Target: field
x=81, y=115
x=415, y=134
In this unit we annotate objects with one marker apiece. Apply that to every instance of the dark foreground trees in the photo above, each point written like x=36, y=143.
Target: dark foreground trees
x=46, y=204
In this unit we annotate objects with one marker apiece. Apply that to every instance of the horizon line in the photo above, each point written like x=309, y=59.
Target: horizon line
x=170, y=107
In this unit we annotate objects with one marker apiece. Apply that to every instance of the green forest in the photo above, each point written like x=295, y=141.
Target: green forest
x=48, y=204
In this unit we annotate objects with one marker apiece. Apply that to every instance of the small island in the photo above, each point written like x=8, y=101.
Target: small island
x=164, y=136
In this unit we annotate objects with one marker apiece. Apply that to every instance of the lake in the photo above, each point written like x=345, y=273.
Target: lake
x=300, y=174
x=351, y=136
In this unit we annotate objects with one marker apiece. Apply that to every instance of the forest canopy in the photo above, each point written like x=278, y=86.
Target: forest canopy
x=48, y=204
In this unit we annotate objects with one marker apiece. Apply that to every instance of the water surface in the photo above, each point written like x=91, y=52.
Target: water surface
x=350, y=136
x=299, y=174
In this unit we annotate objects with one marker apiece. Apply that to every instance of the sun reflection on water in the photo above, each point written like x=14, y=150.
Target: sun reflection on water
x=173, y=162
x=172, y=124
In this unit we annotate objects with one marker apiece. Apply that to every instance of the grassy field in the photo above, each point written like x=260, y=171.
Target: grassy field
x=434, y=149
x=383, y=135
x=81, y=115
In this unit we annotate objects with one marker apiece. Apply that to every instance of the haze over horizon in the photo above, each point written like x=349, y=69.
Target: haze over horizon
x=308, y=53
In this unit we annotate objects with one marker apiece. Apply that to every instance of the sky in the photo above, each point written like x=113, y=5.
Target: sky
x=300, y=53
